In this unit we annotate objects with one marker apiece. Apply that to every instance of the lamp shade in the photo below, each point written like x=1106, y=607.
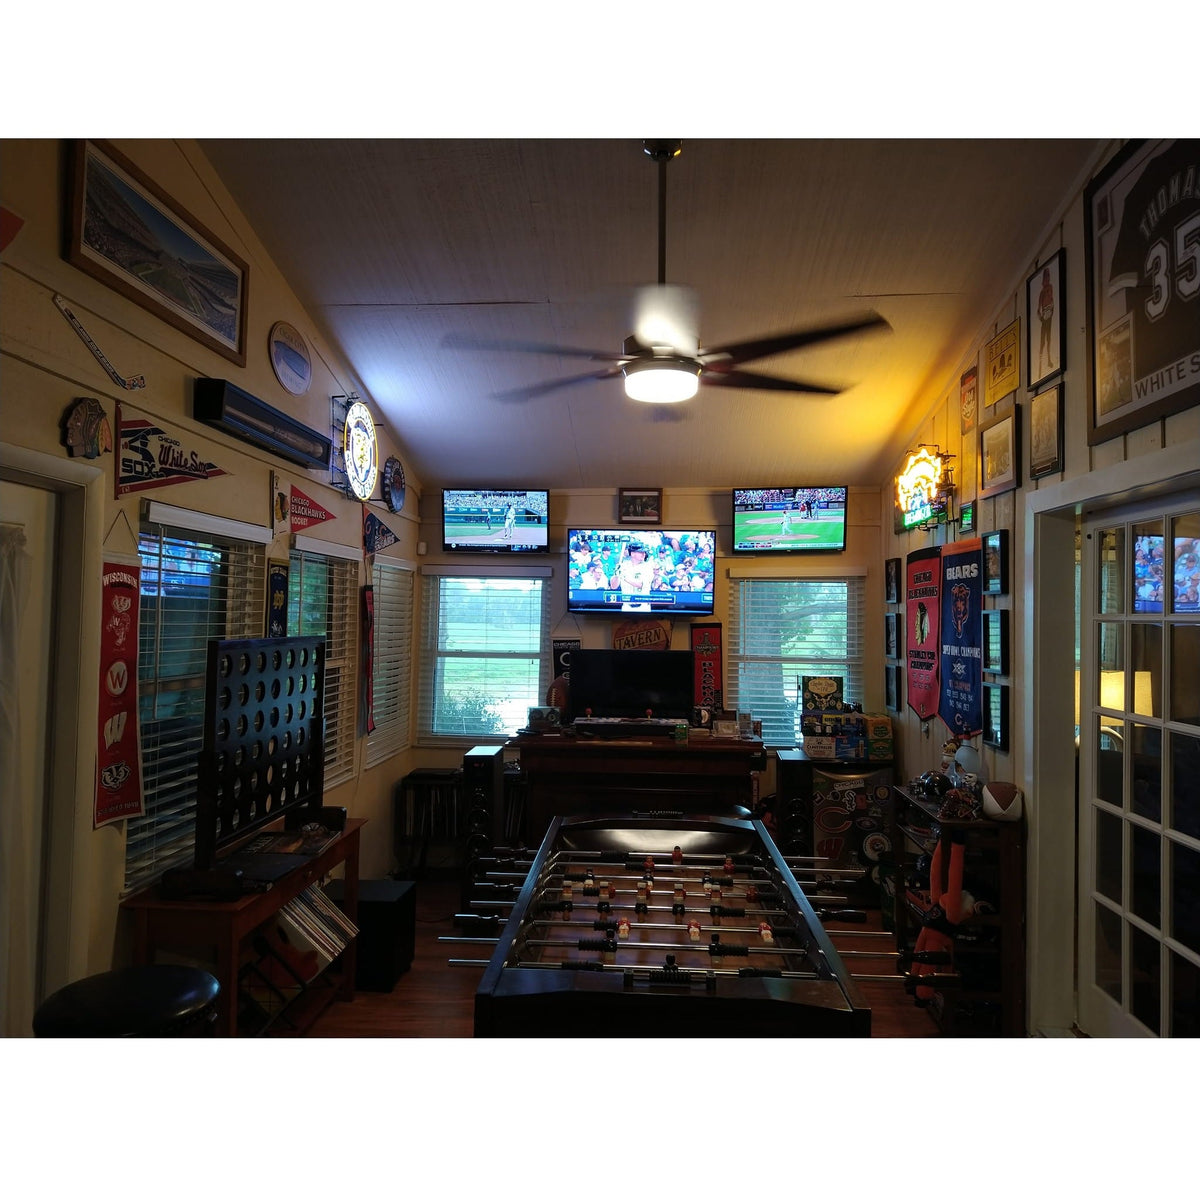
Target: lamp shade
x=662, y=380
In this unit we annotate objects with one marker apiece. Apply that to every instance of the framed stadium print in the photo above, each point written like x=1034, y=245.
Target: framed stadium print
x=1000, y=455
x=1141, y=221
x=892, y=685
x=1045, y=302
x=639, y=506
x=169, y=264
x=995, y=641
x=1046, y=433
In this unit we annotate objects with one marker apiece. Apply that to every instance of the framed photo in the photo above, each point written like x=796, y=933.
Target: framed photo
x=891, y=581
x=995, y=563
x=968, y=398
x=966, y=517
x=173, y=267
x=995, y=715
x=1002, y=359
x=891, y=684
x=995, y=641
x=1046, y=433
x=639, y=506
x=1045, y=304
x=1140, y=268
x=891, y=635
x=1000, y=455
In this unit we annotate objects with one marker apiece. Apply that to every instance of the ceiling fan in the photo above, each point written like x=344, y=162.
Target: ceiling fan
x=662, y=361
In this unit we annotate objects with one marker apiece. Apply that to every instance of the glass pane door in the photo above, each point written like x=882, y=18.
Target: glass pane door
x=1139, y=738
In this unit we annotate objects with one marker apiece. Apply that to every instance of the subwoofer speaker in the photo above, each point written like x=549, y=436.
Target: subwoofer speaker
x=483, y=802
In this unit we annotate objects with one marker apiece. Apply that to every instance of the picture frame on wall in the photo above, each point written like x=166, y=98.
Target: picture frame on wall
x=1045, y=320
x=995, y=563
x=639, y=506
x=1141, y=317
x=968, y=398
x=1002, y=364
x=995, y=715
x=891, y=635
x=175, y=267
x=1000, y=454
x=891, y=581
x=995, y=641
x=891, y=686
x=1046, y=432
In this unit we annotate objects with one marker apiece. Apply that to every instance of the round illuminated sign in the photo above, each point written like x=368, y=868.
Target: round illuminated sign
x=360, y=450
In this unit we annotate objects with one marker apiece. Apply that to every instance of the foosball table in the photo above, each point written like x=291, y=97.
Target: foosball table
x=658, y=926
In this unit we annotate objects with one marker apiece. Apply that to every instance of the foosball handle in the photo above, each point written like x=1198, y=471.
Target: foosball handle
x=855, y=916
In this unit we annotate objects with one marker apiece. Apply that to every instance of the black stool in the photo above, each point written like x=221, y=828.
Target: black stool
x=150, y=1001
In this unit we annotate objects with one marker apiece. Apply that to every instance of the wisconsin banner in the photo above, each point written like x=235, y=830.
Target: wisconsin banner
x=118, y=747
x=922, y=585
x=961, y=705
x=149, y=457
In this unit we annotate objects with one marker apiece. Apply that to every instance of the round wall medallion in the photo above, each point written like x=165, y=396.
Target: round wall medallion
x=360, y=450
x=289, y=358
x=393, y=484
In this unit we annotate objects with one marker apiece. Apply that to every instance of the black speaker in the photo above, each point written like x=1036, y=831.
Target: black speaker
x=793, y=802
x=387, y=923
x=483, y=804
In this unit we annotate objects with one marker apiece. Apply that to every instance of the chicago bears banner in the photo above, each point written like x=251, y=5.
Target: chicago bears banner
x=118, y=747
x=961, y=638
x=922, y=586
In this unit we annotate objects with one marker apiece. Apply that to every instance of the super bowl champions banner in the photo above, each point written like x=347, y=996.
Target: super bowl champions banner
x=149, y=457
x=118, y=747
x=922, y=587
x=961, y=705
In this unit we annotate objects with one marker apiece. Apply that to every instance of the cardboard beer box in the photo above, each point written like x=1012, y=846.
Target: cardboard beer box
x=878, y=726
x=835, y=749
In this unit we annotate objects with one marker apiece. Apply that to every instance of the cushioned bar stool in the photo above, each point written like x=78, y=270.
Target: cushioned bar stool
x=149, y=1001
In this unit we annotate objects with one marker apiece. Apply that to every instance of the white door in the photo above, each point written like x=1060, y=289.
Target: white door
x=1139, y=737
x=28, y=518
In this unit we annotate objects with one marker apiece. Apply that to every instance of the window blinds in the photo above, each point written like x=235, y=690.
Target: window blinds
x=194, y=587
x=322, y=601
x=483, y=654
x=392, y=679
x=783, y=629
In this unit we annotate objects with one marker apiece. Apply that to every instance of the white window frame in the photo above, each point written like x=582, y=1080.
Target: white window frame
x=746, y=591
x=431, y=655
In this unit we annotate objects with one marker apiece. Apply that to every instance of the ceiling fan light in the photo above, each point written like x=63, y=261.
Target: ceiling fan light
x=662, y=381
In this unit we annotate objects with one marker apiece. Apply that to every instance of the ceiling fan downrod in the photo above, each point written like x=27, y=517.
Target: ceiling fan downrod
x=662, y=152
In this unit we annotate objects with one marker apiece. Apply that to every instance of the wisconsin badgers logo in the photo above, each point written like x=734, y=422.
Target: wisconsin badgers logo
x=960, y=606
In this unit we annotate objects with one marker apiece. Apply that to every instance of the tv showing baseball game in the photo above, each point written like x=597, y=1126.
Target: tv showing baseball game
x=495, y=520
x=662, y=572
x=789, y=520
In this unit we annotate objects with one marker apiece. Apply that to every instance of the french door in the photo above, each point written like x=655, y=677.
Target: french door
x=1139, y=772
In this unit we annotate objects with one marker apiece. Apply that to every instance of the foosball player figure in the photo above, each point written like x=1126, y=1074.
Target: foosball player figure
x=751, y=893
x=679, y=906
x=677, y=855
x=766, y=932
x=706, y=883
x=648, y=865
x=606, y=889
x=566, y=892
x=728, y=864
x=693, y=928
x=648, y=880
x=623, y=927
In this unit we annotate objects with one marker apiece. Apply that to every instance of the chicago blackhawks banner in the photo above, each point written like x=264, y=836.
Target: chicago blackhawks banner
x=922, y=581
x=706, y=645
x=961, y=638
x=118, y=747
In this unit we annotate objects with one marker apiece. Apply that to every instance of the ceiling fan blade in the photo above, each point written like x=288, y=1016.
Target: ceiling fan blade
x=736, y=353
x=749, y=379
x=667, y=315
x=456, y=341
x=551, y=385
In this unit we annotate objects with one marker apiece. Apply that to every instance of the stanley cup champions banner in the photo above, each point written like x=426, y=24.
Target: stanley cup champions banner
x=961, y=705
x=922, y=586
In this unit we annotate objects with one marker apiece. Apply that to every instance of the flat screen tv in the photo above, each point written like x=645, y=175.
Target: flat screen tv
x=668, y=572
x=789, y=520
x=632, y=683
x=495, y=520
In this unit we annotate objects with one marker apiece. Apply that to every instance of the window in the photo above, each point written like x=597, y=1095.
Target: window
x=194, y=587
x=322, y=602
x=783, y=629
x=392, y=676
x=483, y=660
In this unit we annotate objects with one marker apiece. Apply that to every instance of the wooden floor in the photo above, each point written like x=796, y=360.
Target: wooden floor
x=435, y=1000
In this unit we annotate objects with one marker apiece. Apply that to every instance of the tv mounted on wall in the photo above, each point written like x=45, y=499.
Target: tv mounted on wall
x=495, y=520
x=667, y=572
x=789, y=520
x=632, y=683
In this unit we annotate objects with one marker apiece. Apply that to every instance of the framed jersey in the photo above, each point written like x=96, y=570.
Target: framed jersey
x=1142, y=243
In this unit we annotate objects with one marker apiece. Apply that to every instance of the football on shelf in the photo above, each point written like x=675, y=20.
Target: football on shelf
x=1002, y=801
